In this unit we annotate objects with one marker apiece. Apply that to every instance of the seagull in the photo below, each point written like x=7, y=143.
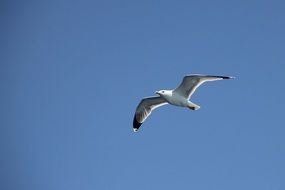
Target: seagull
x=180, y=96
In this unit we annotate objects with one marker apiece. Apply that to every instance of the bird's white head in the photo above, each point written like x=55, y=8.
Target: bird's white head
x=163, y=93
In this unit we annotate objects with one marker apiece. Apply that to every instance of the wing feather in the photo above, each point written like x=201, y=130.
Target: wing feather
x=191, y=82
x=145, y=108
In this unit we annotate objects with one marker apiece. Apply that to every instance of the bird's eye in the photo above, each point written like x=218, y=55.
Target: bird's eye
x=163, y=91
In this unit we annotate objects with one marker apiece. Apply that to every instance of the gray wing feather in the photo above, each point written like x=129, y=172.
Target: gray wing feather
x=191, y=82
x=145, y=108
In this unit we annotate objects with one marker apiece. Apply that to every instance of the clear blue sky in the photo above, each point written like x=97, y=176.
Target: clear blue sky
x=73, y=72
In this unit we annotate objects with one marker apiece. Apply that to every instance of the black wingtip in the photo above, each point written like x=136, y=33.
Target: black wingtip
x=136, y=125
x=223, y=77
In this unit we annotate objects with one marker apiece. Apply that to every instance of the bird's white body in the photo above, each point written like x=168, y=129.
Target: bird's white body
x=176, y=99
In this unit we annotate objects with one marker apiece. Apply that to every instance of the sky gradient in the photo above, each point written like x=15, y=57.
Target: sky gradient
x=73, y=72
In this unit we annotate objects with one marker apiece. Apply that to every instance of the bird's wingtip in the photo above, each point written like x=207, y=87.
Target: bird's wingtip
x=226, y=77
x=136, y=125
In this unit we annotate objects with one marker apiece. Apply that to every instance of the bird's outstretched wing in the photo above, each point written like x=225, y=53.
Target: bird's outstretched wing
x=145, y=108
x=191, y=82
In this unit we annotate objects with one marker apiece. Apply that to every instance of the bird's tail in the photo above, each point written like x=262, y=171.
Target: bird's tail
x=193, y=106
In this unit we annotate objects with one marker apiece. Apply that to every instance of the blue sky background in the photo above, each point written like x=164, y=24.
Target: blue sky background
x=73, y=72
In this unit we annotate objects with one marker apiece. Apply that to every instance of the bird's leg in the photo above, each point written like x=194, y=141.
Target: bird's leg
x=192, y=106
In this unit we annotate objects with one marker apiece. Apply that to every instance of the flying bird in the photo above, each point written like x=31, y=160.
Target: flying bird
x=180, y=96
